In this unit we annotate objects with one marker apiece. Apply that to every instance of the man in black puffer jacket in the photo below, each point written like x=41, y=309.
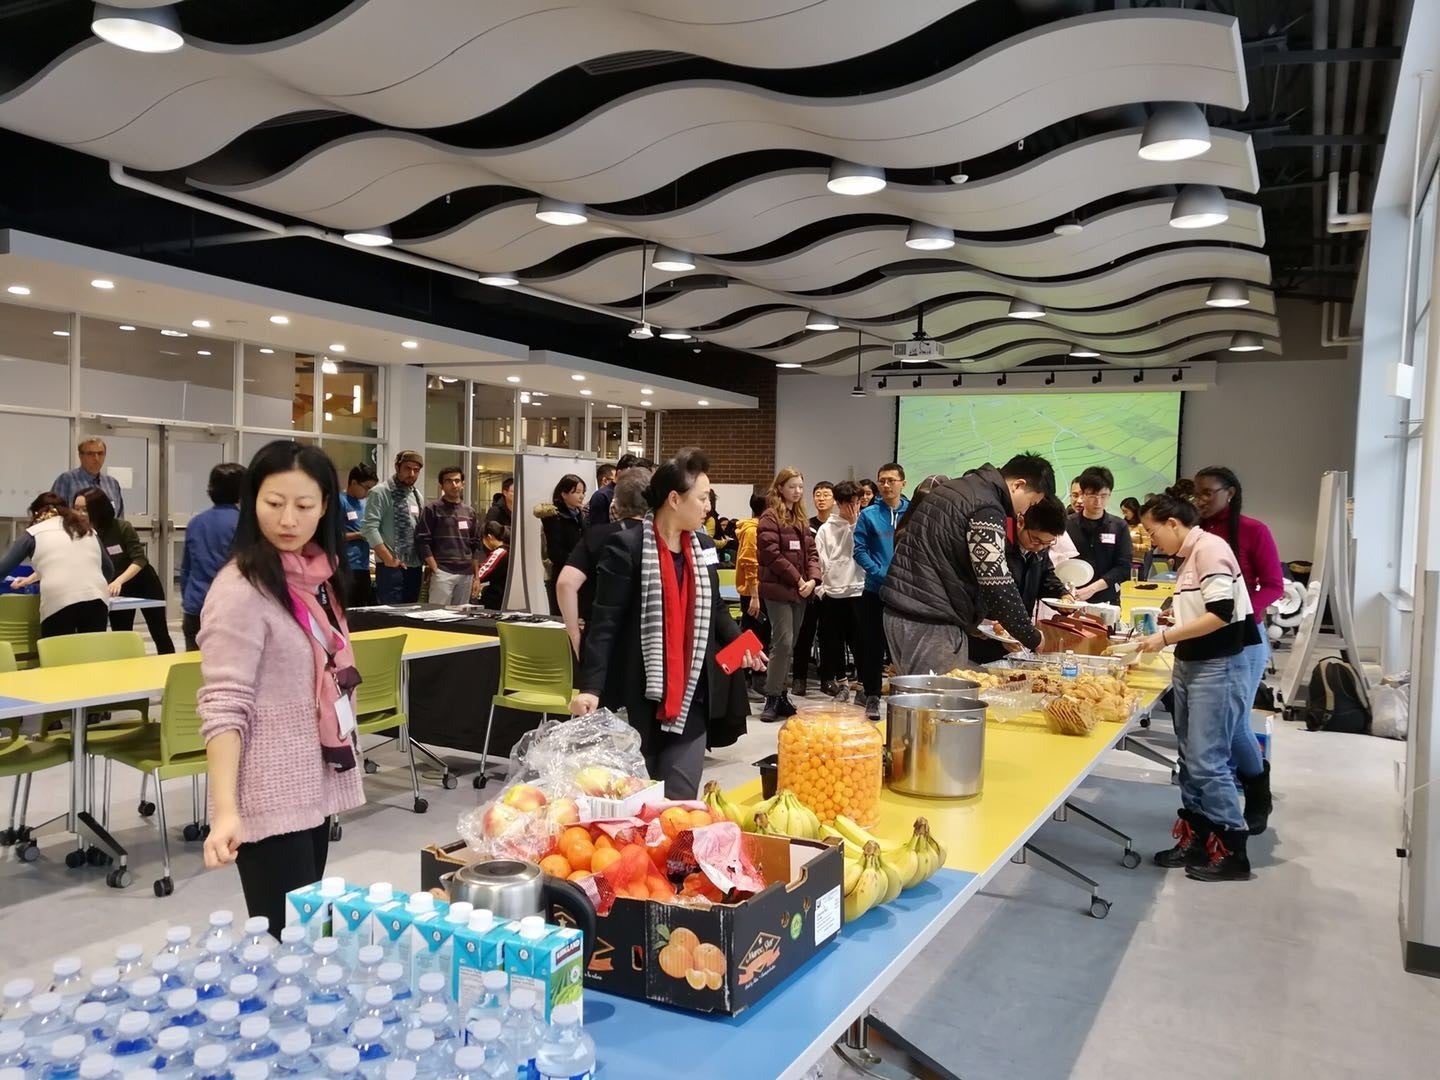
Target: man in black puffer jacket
x=950, y=571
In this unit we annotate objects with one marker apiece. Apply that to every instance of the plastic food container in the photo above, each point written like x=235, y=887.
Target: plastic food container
x=1006, y=705
x=832, y=758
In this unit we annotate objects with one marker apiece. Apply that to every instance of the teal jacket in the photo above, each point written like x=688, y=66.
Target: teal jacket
x=875, y=541
x=381, y=505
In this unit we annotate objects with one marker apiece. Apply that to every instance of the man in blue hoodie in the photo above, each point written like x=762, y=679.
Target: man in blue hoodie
x=874, y=548
x=207, y=545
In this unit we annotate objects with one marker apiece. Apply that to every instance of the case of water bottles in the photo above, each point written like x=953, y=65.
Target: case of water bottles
x=233, y=1003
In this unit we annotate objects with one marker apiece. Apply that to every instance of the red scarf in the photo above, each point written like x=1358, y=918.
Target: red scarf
x=679, y=603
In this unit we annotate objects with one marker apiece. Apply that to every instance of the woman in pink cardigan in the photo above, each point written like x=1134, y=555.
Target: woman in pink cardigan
x=277, y=705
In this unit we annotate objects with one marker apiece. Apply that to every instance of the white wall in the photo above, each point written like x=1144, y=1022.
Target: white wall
x=828, y=435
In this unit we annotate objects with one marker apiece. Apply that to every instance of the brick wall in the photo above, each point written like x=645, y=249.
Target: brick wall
x=740, y=443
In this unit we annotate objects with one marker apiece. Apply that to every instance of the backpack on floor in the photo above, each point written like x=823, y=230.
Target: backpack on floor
x=1335, y=701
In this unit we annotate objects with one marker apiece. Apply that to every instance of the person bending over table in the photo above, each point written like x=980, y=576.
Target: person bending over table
x=69, y=563
x=1211, y=679
x=277, y=705
x=658, y=620
x=1028, y=555
x=134, y=576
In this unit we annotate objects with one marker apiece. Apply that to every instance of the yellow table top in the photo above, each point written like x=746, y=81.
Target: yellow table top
x=1028, y=771
x=1135, y=594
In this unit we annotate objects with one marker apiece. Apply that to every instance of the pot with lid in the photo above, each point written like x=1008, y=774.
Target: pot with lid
x=936, y=744
x=514, y=888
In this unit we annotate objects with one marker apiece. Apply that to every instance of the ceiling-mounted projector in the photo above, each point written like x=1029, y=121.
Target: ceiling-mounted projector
x=917, y=349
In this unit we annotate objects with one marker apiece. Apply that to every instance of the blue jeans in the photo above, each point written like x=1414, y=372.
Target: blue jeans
x=1210, y=705
x=397, y=584
x=1245, y=750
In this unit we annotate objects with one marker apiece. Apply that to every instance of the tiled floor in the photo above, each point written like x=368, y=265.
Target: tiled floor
x=1295, y=974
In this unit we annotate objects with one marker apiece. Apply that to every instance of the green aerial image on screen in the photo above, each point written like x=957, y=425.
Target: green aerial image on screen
x=1135, y=436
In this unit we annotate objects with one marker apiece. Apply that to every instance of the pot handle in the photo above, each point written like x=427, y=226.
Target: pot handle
x=571, y=899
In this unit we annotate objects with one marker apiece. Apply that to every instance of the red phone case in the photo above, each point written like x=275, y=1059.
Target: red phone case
x=732, y=657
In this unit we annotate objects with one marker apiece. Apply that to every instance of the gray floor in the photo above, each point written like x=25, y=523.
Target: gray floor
x=1295, y=974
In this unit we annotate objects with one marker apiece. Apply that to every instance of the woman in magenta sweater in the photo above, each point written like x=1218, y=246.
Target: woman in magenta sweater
x=277, y=705
x=1218, y=498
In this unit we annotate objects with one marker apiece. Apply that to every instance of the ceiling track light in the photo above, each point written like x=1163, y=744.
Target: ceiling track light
x=859, y=390
x=1179, y=374
x=642, y=331
x=922, y=236
x=371, y=238
x=1025, y=309
x=1199, y=206
x=1050, y=379
x=668, y=258
x=1095, y=379
x=1246, y=341
x=814, y=320
x=1002, y=380
x=917, y=382
x=1139, y=377
x=1175, y=131
x=850, y=178
x=144, y=30
x=1228, y=293
x=958, y=381
x=1071, y=226
x=883, y=383
x=558, y=212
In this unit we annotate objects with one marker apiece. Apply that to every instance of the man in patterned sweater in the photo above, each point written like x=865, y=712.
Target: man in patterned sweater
x=950, y=571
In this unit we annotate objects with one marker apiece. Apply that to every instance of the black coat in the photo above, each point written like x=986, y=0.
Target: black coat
x=613, y=667
x=562, y=532
x=1109, y=561
x=1035, y=577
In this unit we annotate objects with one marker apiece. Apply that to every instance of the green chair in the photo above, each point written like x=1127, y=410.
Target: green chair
x=22, y=758
x=535, y=676
x=20, y=627
x=176, y=749
x=378, y=706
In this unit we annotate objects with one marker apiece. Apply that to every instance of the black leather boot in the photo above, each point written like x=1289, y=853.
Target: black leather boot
x=1258, y=803
x=1228, y=860
x=1190, y=832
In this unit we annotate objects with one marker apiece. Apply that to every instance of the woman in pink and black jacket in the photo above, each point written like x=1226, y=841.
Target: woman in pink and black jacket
x=789, y=573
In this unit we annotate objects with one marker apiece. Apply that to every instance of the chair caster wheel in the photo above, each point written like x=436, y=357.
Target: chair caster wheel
x=27, y=851
x=164, y=886
x=335, y=832
x=1099, y=907
x=480, y=781
x=421, y=805
x=119, y=878
x=75, y=859
x=7, y=837
x=22, y=834
x=95, y=857
x=370, y=767
x=190, y=833
x=145, y=809
x=1130, y=860
x=449, y=781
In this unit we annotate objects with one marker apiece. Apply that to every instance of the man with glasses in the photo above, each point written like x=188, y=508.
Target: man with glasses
x=1029, y=555
x=1101, y=538
x=874, y=547
x=91, y=473
x=448, y=541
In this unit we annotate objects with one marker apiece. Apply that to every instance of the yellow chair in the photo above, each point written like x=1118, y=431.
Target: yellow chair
x=727, y=577
x=535, y=676
x=22, y=758
x=20, y=627
x=174, y=750
x=378, y=707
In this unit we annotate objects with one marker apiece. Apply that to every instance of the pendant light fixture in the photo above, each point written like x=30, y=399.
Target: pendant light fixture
x=675, y=335
x=924, y=237
x=557, y=212
x=849, y=178
x=1083, y=352
x=499, y=281
x=1176, y=130
x=371, y=238
x=144, y=30
x=668, y=258
x=1199, y=206
x=859, y=389
x=1246, y=341
x=1071, y=226
x=1025, y=309
x=814, y=320
x=1228, y=293
x=959, y=176
x=641, y=331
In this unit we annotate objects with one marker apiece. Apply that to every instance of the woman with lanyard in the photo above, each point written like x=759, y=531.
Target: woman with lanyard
x=277, y=705
x=658, y=621
x=1211, y=679
x=134, y=576
x=1218, y=498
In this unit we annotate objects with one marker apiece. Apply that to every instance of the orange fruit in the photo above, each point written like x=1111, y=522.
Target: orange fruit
x=636, y=892
x=696, y=979
x=576, y=847
x=684, y=937
x=635, y=862
x=661, y=892
x=580, y=875
x=604, y=841
x=556, y=866
x=603, y=859
x=714, y=980
x=675, y=821
x=700, y=818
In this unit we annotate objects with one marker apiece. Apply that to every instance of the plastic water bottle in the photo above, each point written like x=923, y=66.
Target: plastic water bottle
x=378, y=1004
x=222, y=924
x=221, y=952
x=93, y=1020
x=368, y=1036
x=256, y=932
x=367, y=970
x=287, y=1010
x=418, y=1048
x=166, y=968
x=145, y=1072
x=68, y=982
x=325, y=1032
x=209, y=981
x=47, y=1021
x=98, y=1066
x=13, y=1054
x=566, y=1052
x=430, y=987
x=328, y=987
x=393, y=976
x=485, y=1037
x=400, y=1069
x=245, y=989
x=469, y=1064
x=293, y=943
x=256, y=1043
x=521, y=1030
x=325, y=950
x=295, y=1058
x=179, y=945
x=145, y=996
x=224, y=1021
x=343, y=1063
x=105, y=987
x=14, y=998
x=133, y=1044
x=439, y=1020
x=65, y=1054
x=1069, y=666
x=183, y=1009
x=251, y=1070
x=212, y=1062
x=130, y=959
x=290, y=971
x=490, y=1005
x=173, y=1054
x=255, y=960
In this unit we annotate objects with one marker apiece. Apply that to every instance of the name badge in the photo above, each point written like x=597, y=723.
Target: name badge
x=350, y=515
x=1107, y=538
x=114, y=549
x=709, y=557
x=414, y=510
x=794, y=545
x=463, y=525
x=345, y=714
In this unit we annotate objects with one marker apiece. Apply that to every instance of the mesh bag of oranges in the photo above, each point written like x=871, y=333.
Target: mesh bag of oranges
x=832, y=759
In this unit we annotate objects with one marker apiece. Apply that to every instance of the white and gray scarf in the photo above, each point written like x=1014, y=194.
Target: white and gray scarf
x=652, y=621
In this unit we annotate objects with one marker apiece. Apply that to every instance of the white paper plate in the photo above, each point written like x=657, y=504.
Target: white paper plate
x=1065, y=604
x=1075, y=573
x=995, y=632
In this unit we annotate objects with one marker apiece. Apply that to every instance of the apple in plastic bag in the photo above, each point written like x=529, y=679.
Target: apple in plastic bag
x=630, y=786
x=596, y=780
x=524, y=797
x=562, y=812
x=500, y=819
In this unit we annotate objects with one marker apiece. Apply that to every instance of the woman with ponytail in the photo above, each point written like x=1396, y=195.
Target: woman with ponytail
x=1218, y=497
x=656, y=624
x=68, y=561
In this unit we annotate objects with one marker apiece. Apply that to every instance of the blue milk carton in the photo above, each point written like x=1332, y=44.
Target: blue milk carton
x=311, y=907
x=425, y=940
x=548, y=960
x=477, y=948
x=352, y=914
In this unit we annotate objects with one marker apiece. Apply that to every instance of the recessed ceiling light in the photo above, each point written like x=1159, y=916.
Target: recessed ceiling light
x=702, y=403
x=202, y=352
x=646, y=390
x=1199, y=206
x=924, y=237
x=512, y=378
x=1246, y=341
x=268, y=352
x=329, y=417
x=668, y=258
x=1228, y=293
x=849, y=178
x=174, y=333
x=1175, y=131
x=200, y=324
x=814, y=320
x=1081, y=352
x=18, y=290
x=1025, y=309
x=577, y=377
x=146, y=30
x=409, y=344
x=60, y=333
x=102, y=283
x=611, y=406
x=674, y=335
x=329, y=367
x=280, y=320
x=645, y=402
x=335, y=346
x=500, y=281
x=787, y=366
x=376, y=237
x=558, y=212
x=586, y=393
x=126, y=326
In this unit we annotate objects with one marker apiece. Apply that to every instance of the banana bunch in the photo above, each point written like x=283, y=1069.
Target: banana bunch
x=717, y=803
x=788, y=816
x=865, y=883
x=905, y=865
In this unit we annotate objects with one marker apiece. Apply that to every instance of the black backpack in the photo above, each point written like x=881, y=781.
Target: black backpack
x=1335, y=702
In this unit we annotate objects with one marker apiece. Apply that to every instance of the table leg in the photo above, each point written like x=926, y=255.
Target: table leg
x=874, y=1048
x=447, y=778
x=1049, y=864
x=1130, y=858
x=1143, y=749
x=80, y=822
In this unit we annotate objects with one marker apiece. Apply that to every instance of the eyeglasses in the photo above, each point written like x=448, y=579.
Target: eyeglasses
x=1099, y=496
x=888, y=480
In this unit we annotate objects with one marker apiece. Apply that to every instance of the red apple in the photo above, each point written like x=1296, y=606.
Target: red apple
x=630, y=786
x=524, y=797
x=562, y=812
x=499, y=819
x=595, y=780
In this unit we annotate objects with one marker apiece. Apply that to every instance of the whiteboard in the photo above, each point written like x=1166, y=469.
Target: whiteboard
x=732, y=500
x=537, y=471
x=36, y=449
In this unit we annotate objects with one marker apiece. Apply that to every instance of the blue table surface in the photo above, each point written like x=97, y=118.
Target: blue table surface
x=121, y=603
x=636, y=1039
x=15, y=703
x=730, y=593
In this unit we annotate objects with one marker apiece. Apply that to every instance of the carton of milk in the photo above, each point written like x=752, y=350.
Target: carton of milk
x=428, y=939
x=350, y=924
x=311, y=907
x=477, y=948
x=549, y=961
x=390, y=924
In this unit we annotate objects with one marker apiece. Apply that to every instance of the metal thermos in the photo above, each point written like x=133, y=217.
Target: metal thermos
x=936, y=744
